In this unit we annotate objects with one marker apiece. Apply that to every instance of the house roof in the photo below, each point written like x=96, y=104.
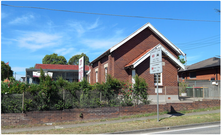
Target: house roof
x=211, y=62
x=153, y=29
x=137, y=58
x=146, y=54
x=61, y=67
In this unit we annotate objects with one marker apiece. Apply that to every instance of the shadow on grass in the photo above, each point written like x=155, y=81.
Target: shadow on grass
x=172, y=113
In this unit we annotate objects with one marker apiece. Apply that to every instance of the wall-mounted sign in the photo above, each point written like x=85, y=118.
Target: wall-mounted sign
x=81, y=69
x=38, y=74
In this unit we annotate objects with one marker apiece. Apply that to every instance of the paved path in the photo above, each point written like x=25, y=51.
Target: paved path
x=97, y=123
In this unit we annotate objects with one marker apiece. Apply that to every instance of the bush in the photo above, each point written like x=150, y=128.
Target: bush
x=140, y=89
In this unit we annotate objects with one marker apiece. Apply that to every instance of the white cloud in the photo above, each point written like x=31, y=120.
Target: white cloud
x=38, y=40
x=193, y=59
x=64, y=51
x=104, y=43
x=94, y=25
x=25, y=19
x=3, y=15
x=82, y=27
x=19, y=69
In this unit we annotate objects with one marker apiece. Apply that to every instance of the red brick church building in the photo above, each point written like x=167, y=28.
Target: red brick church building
x=131, y=56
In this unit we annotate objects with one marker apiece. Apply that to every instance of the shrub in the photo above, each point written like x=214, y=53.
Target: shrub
x=140, y=89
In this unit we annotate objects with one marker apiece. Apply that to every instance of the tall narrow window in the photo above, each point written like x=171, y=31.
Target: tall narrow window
x=159, y=79
x=133, y=75
x=96, y=76
x=105, y=73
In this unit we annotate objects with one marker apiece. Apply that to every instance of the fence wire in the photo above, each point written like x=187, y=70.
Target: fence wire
x=34, y=101
x=11, y=103
x=204, y=89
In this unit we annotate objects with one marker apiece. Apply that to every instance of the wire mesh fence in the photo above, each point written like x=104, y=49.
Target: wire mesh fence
x=64, y=99
x=203, y=88
x=11, y=103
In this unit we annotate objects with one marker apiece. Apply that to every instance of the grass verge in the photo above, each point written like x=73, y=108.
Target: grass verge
x=110, y=119
x=132, y=125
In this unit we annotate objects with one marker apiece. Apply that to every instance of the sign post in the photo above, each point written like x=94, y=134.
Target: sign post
x=81, y=69
x=156, y=68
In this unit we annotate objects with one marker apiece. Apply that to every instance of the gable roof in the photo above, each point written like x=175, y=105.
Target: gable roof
x=138, y=57
x=211, y=62
x=153, y=29
x=146, y=54
x=58, y=66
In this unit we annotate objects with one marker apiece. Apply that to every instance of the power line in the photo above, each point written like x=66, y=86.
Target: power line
x=198, y=47
x=108, y=14
x=212, y=37
x=201, y=43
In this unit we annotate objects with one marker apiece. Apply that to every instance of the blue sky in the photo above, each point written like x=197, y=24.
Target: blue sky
x=28, y=34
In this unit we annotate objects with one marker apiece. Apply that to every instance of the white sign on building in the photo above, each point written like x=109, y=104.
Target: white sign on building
x=37, y=74
x=156, y=61
x=81, y=69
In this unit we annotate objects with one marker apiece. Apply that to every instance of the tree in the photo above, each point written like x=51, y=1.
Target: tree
x=54, y=59
x=181, y=60
x=75, y=59
x=6, y=71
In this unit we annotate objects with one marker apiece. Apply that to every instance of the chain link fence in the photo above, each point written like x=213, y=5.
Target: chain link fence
x=204, y=89
x=11, y=103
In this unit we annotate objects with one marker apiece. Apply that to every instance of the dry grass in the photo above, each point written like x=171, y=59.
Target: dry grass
x=133, y=125
x=110, y=119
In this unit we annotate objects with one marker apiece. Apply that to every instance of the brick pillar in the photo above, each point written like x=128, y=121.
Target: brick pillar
x=109, y=71
x=99, y=71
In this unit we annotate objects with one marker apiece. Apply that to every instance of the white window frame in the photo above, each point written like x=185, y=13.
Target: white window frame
x=133, y=75
x=96, y=75
x=105, y=71
x=161, y=80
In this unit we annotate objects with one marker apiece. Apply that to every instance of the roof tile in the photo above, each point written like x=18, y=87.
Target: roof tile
x=57, y=66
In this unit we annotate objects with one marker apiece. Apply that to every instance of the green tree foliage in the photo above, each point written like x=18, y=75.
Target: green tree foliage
x=5, y=71
x=140, y=89
x=75, y=59
x=54, y=59
x=181, y=60
x=61, y=94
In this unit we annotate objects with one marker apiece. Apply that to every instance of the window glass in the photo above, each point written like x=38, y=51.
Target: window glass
x=105, y=72
x=96, y=76
x=192, y=74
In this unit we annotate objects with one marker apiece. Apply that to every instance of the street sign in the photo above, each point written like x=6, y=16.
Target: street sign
x=156, y=61
x=81, y=69
x=155, y=68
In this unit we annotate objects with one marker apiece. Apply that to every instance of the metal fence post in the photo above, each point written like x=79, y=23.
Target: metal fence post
x=193, y=92
x=63, y=98
x=23, y=100
x=203, y=91
x=165, y=93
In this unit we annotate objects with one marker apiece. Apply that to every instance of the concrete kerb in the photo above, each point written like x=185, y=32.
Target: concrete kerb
x=98, y=123
x=166, y=128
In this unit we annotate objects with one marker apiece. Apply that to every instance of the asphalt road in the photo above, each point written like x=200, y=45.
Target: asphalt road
x=212, y=129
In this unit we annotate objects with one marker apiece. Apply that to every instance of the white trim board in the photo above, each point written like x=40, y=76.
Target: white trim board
x=145, y=56
x=153, y=29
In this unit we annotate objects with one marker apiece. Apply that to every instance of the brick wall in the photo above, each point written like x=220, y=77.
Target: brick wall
x=202, y=74
x=39, y=117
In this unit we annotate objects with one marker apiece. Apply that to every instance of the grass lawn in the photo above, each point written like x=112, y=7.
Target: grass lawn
x=132, y=125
